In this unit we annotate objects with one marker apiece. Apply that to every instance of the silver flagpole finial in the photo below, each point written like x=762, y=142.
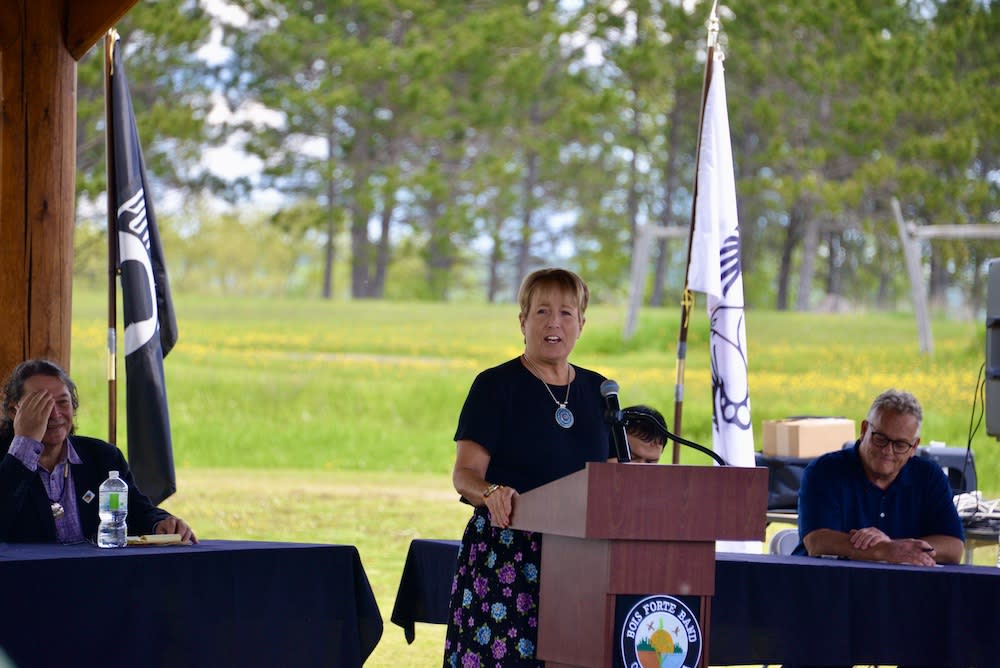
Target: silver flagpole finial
x=713, y=33
x=713, y=25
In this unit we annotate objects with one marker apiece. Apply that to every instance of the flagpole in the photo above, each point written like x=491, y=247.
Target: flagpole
x=687, y=297
x=109, y=48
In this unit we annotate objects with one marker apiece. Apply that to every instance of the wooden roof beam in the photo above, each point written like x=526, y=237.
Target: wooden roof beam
x=86, y=22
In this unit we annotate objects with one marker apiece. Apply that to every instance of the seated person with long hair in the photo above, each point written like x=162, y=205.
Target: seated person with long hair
x=50, y=476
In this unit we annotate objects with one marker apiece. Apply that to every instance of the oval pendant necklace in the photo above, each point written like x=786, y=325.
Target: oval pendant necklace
x=563, y=415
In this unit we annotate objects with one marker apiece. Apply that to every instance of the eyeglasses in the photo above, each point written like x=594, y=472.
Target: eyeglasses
x=881, y=441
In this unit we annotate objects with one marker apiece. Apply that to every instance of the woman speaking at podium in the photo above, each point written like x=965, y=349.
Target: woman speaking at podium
x=525, y=423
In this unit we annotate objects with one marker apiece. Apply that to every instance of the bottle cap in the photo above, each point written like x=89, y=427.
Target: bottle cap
x=112, y=474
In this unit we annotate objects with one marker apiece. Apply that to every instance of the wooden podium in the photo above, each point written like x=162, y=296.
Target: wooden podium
x=631, y=529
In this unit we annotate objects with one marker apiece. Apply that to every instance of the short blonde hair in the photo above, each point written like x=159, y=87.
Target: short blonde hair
x=553, y=277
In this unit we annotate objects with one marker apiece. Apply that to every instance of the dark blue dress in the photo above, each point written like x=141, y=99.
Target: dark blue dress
x=493, y=612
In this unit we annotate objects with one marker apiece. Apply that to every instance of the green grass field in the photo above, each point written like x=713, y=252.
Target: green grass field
x=304, y=420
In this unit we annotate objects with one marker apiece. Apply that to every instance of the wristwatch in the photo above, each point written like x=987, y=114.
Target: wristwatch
x=491, y=488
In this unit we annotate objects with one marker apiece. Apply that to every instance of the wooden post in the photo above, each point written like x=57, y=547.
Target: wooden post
x=911, y=253
x=640, y=259
x=40, y=41
x=37, y=182
x=640, y=263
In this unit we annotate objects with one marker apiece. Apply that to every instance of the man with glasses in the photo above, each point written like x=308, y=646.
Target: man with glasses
x=876, y=501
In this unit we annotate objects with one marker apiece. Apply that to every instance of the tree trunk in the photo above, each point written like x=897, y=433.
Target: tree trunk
x=884, y=275
x=493, y=282
x=835, y=264
x=496, y=257
x=658, y=297
x=632, y=198
x=977, y=291
x=330, y=250
x=940, y=281
x=384, y=248
x=528, y=212
x=807, y=267
x=440, y=255
x=787, y=248
x=361, y=283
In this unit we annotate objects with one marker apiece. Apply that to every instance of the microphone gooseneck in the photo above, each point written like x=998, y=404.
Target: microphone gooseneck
x=701, y=448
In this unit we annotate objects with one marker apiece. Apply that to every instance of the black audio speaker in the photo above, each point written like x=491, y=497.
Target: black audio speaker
x=993, y=348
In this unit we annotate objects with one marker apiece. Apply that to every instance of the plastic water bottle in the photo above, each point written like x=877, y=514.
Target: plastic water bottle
x=113, y=532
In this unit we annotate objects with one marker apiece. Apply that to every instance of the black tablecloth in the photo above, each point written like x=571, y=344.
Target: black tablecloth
x=771, y=609
x=425, y=585
x=810, y=610
x=217, y=603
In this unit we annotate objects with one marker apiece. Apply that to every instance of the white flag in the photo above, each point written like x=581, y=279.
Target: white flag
x=715, y=270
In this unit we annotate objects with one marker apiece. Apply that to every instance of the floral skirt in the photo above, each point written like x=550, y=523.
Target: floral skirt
x=493, y=612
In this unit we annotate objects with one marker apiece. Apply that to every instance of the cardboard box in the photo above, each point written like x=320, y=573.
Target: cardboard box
x=806, y=437
x=771, y=437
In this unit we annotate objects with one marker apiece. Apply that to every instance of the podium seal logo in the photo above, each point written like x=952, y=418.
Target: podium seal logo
x=660, y=632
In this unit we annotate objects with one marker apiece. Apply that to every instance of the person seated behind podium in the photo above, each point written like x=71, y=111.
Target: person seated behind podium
x=876, y=501
x=647, y=433
x=49, y=477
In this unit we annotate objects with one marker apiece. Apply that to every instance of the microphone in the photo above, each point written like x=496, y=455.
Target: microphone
x=613, y=416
